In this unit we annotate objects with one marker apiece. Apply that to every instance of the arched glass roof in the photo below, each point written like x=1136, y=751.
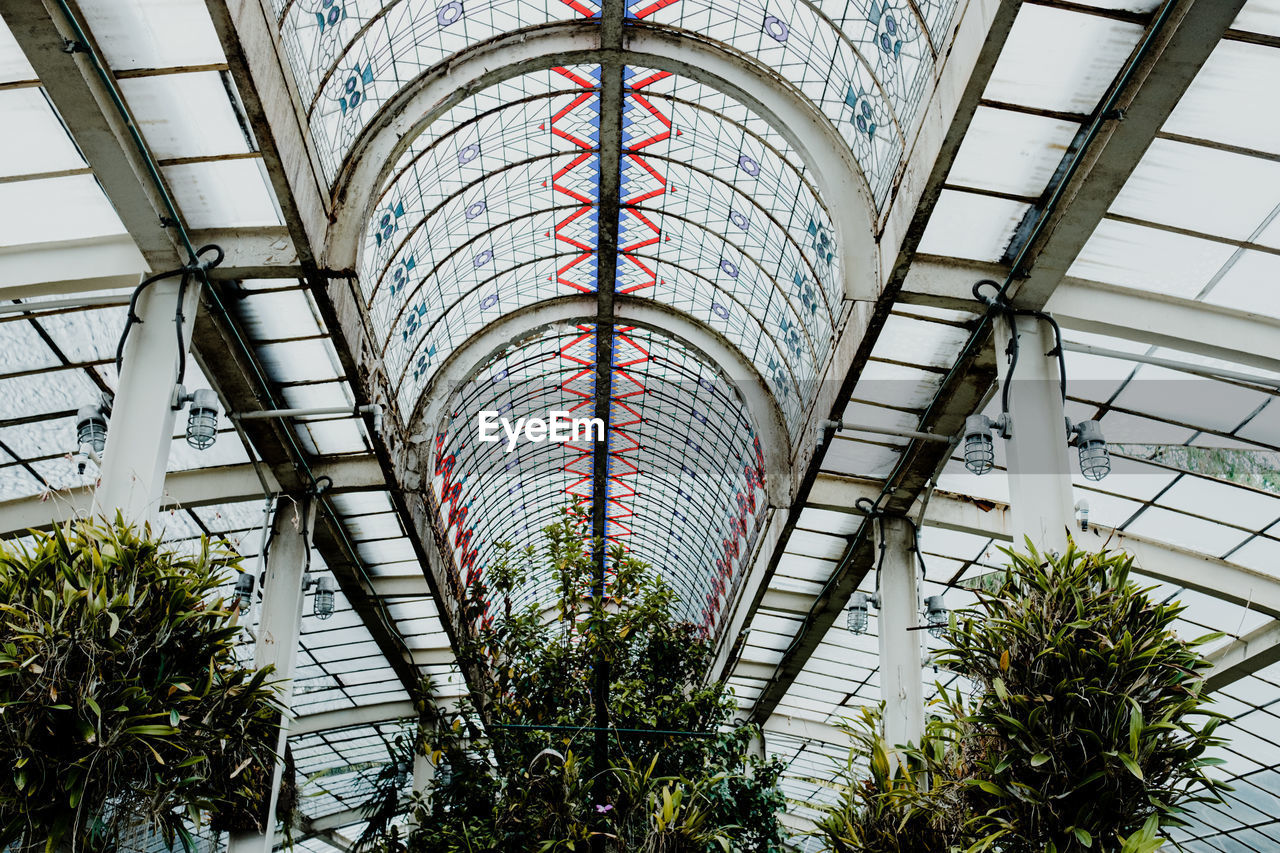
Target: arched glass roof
x=865, y=64
x=1165, y=288
x=682, y=449
x=490, y=213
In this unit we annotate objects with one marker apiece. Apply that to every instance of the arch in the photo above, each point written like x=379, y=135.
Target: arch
x=404, y=117
x=532, y=320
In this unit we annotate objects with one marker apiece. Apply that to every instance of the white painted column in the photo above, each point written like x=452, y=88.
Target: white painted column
x=278, y=631
x=901, y=649
x=142, y=417
x=1039, y=460
x=424, y=773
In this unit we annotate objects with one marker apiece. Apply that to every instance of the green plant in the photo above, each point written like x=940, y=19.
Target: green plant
x=895, y=803
x=1089, y=729
x=1092, y=720
x=512, y=784
x=122, y=698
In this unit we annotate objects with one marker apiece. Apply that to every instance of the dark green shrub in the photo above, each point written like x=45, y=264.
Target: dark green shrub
x=122, y=700
x=1088, y=732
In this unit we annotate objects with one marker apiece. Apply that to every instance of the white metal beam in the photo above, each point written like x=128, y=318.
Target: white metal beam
x=108, y=263
x=810, y=730
x=1186, y=325
x=1159, y=560
x=325, y=829
x=1039, y=475
x=142, y=420
x=199, y=487
x=901, y=645
x=343, y=718
x=1244, y=656
x=277, y=641
x=79, y=266
x=337, y=820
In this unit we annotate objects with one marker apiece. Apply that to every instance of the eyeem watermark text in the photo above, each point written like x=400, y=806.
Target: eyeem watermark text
x=561, y=426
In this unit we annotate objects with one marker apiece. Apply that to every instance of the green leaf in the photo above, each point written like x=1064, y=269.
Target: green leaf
x=998, y=685
x=151, y=731
x=1131, y=764
x=1038, y=759
x=1083, y=836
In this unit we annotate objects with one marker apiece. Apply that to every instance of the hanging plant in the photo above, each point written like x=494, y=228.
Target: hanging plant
x=122, y=698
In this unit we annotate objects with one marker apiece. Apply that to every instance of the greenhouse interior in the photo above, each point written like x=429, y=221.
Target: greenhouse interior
x=359, y=484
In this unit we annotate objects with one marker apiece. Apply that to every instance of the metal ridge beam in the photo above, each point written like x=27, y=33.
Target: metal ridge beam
x=107, y=263
x=1244, y=656
x=343, y=718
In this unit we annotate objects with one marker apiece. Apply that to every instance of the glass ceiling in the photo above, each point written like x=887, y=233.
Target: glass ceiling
x=492, y=214
x=684, y=450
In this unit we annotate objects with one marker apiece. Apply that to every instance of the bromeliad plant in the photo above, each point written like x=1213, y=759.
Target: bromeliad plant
x=122, y=700
x=1089, y=730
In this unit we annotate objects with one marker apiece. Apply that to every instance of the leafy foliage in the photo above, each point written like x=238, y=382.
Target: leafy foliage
x=1089, y=730
x=892, y=806
x=506, y=786
x=122, y=699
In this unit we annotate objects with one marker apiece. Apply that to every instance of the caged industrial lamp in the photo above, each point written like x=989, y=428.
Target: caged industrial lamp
x=202, y=419
x=979, y=447
x=322, y=605
x=858, y=615
x=202, y=415
x=91, y=426
x=1095, y=458
x=935, y=615
x=244, y=591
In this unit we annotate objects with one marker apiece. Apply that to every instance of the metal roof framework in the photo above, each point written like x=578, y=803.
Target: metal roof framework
x=1162, y=286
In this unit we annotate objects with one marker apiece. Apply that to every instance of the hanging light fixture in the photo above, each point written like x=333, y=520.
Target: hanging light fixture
x=1095, y=458
x=858, y=615
x=244, y=591
x=202, y=419
x=91, y=426
x=322, y=605
x=979, y=447
x=935, y=615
